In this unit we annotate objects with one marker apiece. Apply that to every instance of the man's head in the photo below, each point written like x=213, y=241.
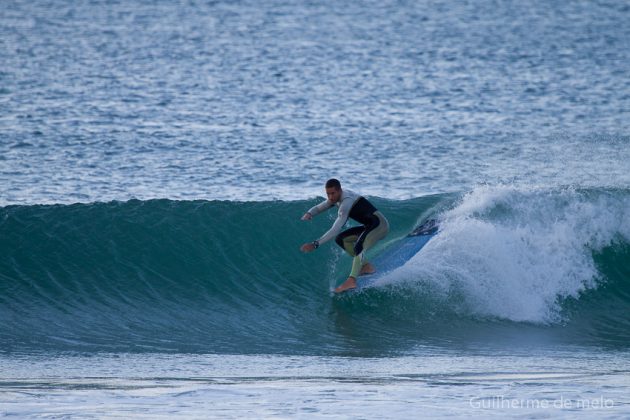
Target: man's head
x=333, y=190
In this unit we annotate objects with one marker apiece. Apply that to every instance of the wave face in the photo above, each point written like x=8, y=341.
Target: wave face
x=509, y=265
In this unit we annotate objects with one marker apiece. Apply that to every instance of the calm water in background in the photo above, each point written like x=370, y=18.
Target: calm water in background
x=262, y=100
x=508, y=120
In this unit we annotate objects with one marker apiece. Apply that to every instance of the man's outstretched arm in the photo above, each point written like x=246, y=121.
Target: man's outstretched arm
x=315, y=210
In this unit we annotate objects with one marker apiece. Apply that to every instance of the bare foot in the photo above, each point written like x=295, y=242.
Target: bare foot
x=350, y=283
x=367, y=268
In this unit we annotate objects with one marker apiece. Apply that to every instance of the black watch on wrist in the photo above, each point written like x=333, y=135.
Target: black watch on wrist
x=315, y=244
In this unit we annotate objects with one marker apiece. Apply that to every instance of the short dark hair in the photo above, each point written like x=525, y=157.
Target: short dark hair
x=333, y=183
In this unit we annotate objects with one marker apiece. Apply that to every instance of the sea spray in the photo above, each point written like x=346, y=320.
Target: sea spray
x=517, y=254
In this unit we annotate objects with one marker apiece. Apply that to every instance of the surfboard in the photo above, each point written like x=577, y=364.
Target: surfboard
x=397, y=254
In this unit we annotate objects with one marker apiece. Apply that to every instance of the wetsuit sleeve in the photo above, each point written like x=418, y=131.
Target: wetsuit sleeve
x=342, y=218
x=323, y=206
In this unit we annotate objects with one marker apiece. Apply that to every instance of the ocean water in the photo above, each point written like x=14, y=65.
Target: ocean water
x=156, y=158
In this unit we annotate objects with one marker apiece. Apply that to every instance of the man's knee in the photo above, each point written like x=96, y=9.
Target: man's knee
x=359, y=245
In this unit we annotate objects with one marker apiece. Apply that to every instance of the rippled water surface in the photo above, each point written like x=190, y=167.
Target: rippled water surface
x=258, y=100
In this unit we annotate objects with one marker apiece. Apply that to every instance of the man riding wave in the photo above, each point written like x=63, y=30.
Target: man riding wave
x=356, y=240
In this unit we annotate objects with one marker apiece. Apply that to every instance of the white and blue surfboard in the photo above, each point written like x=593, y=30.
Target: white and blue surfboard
x=397, y=254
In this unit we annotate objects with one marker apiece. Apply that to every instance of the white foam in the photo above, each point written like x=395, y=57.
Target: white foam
x=515, y=254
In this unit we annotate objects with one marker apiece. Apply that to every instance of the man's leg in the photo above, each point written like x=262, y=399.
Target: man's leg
x=347, y=241
x=348, y=238
x=367, y=240
x=351, y=281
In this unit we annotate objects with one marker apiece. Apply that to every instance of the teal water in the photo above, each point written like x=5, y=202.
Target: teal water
x=549, y=266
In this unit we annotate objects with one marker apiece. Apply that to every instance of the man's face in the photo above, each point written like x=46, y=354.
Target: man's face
x=333, y=194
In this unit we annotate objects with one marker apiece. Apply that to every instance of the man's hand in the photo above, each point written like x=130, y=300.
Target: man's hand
x=307, y=247
x=307, y=216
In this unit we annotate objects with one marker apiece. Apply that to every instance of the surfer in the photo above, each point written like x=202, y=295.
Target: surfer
x=356, y=240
